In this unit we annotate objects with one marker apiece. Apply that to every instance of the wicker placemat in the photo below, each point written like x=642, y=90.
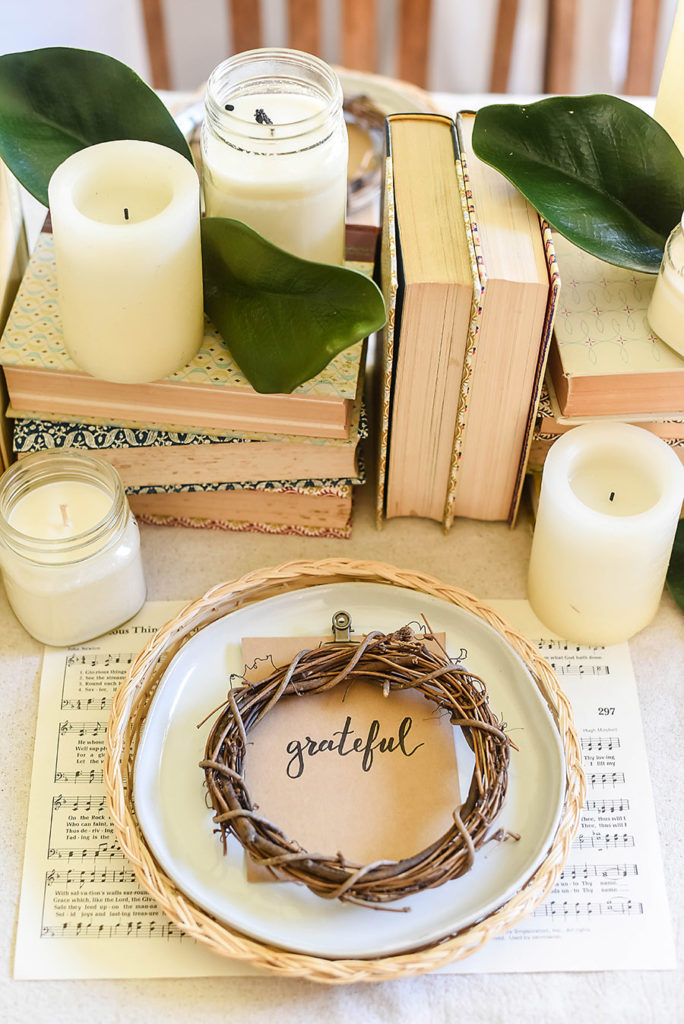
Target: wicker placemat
x=130, y=708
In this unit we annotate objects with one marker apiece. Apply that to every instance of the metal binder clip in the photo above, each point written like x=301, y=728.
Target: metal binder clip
x=341, y=627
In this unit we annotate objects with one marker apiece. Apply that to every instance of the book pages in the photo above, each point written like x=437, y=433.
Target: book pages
x=83, y=915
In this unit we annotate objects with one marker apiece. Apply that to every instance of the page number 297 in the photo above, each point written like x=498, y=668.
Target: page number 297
x=606, y=711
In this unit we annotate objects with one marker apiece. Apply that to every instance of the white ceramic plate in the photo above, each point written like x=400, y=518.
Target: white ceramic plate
x=170, y=795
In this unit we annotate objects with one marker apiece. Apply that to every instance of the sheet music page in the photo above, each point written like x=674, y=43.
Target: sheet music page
x=83, y=915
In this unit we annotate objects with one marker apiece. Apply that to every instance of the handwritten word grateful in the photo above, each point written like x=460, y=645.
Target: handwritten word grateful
x=342, y=743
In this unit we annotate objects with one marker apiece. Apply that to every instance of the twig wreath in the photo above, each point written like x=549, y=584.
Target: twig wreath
x=394, y=661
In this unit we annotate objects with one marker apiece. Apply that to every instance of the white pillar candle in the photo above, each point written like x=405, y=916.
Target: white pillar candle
x=610, y=500
x=669, y=111
x=286, y=179
x=666, y=309
x=69, y=547
x=125, y=219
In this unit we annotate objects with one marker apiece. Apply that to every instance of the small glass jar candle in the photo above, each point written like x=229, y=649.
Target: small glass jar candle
x=126, y=226
x=609, y=504
x=666, y=310
x=275, y=149
x=69, y=547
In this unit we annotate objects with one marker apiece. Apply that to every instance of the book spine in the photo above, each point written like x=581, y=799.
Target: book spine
x=479, y=282
x=547, y=334
x=390, y=287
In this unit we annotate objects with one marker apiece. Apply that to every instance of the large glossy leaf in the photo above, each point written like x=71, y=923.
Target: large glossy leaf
x=283, y=318
x=58, y=100
x=599, y=169
x=675, y=572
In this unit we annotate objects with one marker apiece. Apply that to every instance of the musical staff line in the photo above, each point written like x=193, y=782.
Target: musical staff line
x=574, y=871
x=607, y=806
x=120, y=930
x=599, y=841
x=92, y=776
x=79, y=803
x=605, y=778
x=590, y=743
x=110, y=850
x=567, y=908
x=95, y=876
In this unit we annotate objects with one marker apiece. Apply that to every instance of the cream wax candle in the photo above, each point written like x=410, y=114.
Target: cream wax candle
x=274, y=150
x=666, y=309
x=69, y=547
x=125, y=219
x=609, y=505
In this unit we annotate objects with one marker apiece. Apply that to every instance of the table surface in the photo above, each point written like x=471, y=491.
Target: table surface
x=490, y=560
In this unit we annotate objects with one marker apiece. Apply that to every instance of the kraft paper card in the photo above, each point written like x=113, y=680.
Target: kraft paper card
x=350, y=770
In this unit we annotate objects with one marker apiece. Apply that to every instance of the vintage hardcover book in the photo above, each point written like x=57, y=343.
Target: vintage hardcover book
x=550, y=426
x=429, y=281
x=13, y=260
x=605, y=360
x=210, y=391
x=305, y=506
x=144, y=455
x=519, y=284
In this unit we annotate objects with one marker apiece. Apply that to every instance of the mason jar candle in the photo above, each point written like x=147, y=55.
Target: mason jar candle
x=609, y=505
x=125, y=220
x=275, y=150
x=666, y=309
x=69, y=547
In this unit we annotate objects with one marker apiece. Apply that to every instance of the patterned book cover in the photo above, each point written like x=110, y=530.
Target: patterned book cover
x=603, y=346
x=39, y=434
x=33, y=339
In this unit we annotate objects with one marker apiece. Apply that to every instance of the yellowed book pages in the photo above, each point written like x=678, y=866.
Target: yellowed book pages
x=505, y=366
x=431, y=325
x=313, y=507
x=13, y=260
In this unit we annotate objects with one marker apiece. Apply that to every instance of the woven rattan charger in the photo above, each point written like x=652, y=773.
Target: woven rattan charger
x=129, y=710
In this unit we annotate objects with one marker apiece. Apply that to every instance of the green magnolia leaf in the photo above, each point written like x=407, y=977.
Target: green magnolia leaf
x=283, y=318
x=58, y=100
x=675, y=572
x=599, y=169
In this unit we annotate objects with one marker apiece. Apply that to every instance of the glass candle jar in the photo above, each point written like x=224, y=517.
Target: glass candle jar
x=69, y=547
x=275, y=149
x=666, y=310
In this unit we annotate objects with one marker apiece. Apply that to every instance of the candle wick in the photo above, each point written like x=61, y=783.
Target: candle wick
x=66, y=519
x=125, y=213
x=612, y=495
x=261, y=117
x=229, y=106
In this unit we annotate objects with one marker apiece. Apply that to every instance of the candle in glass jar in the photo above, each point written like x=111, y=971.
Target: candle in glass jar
x=609, y=504
x=274, y=150
x=666, y=309
x=125, y=219
x=69, y=547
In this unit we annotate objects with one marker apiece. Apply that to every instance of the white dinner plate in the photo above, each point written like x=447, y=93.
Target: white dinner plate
x=170, y=795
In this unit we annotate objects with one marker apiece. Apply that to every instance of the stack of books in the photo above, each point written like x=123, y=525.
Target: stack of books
x=605, y=361
x=470, y=283
x=13, y=260
x=201, y=447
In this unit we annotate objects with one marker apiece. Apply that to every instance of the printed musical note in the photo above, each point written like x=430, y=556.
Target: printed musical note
x=605, y=778
x=568, y=908
x=579, y=668
x=598, y=841
x=110, y=850
x=590, y=743
x=575, y=871
x=95, y=876
x=86, y=704
x=94, y=776
x=607, y=806
x=131, y=929
x=87, y=804
x=82, y=728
